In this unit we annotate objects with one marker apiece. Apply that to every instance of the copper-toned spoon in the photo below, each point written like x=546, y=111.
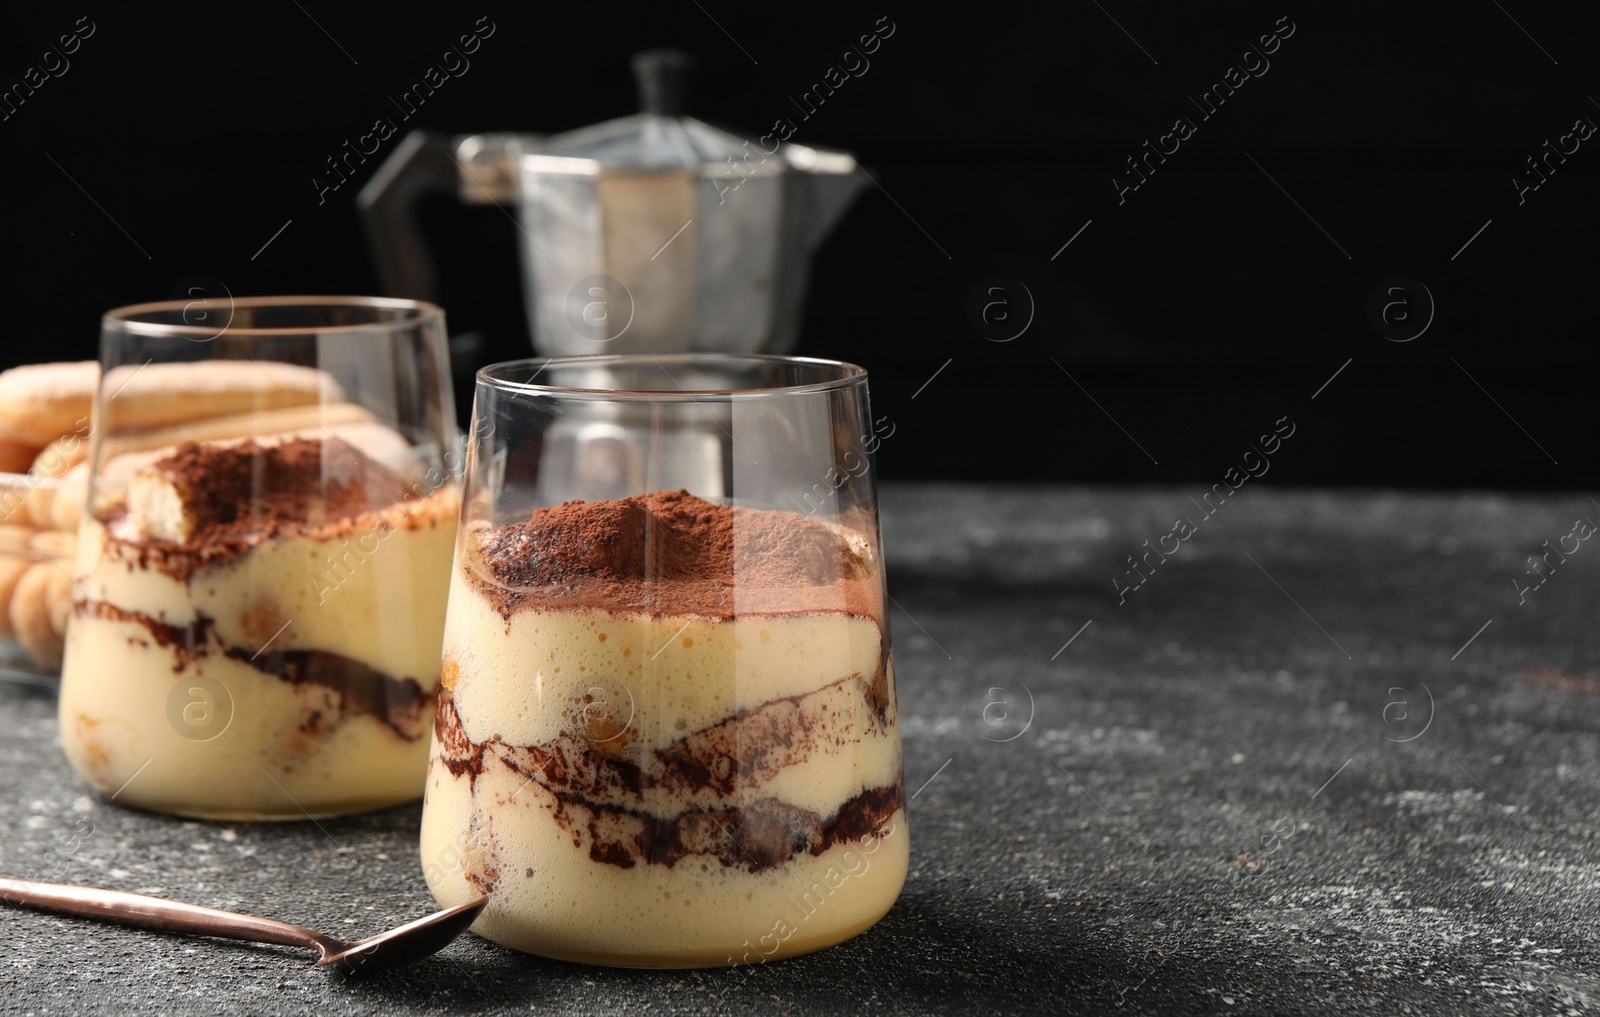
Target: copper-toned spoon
x=409, y=942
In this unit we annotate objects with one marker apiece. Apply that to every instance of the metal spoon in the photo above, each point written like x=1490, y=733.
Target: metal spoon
x=409, y=942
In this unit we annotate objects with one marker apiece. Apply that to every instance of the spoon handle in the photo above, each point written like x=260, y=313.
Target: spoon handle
x=153, y=913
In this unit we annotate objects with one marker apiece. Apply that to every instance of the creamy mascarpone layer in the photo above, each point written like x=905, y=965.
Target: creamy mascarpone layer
x=552, y=899
x=796, y=710
x=518, y=679
x=369, y=589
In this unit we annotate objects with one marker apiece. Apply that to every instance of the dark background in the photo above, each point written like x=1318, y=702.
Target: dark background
x=1195, y=314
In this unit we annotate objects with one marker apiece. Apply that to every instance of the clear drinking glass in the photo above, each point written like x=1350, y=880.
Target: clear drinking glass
x=666, y=731
x=259, y=590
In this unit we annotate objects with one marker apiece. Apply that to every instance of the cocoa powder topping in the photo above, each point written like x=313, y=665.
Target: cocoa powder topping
x=251, y=489
x=670, y=552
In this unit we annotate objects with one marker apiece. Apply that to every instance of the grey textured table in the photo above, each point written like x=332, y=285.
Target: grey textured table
x=1284, y=777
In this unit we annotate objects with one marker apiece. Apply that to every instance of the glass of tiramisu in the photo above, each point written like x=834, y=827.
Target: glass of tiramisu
x=666, y=731
x=259, y=589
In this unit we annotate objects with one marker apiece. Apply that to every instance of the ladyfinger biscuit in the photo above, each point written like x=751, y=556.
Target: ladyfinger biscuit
x=16, y=456
x=72, y=491
x=41, y=603
x=157, y=395
x=64, y=453
x=40, y=502
x=70, y=450
x=14, y=502
x=44, y=475
x=41, y=402
x=57, y=545
x=35, y=604
x=12, y=566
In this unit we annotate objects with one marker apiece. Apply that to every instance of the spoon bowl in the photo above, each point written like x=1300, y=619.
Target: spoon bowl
x=410, y=942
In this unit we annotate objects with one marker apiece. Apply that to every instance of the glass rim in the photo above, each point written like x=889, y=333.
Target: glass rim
x=122, y=318
x=848, y=375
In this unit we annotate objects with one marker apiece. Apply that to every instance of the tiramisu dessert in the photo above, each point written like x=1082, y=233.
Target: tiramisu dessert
x=666, y=734
x=256, y=628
